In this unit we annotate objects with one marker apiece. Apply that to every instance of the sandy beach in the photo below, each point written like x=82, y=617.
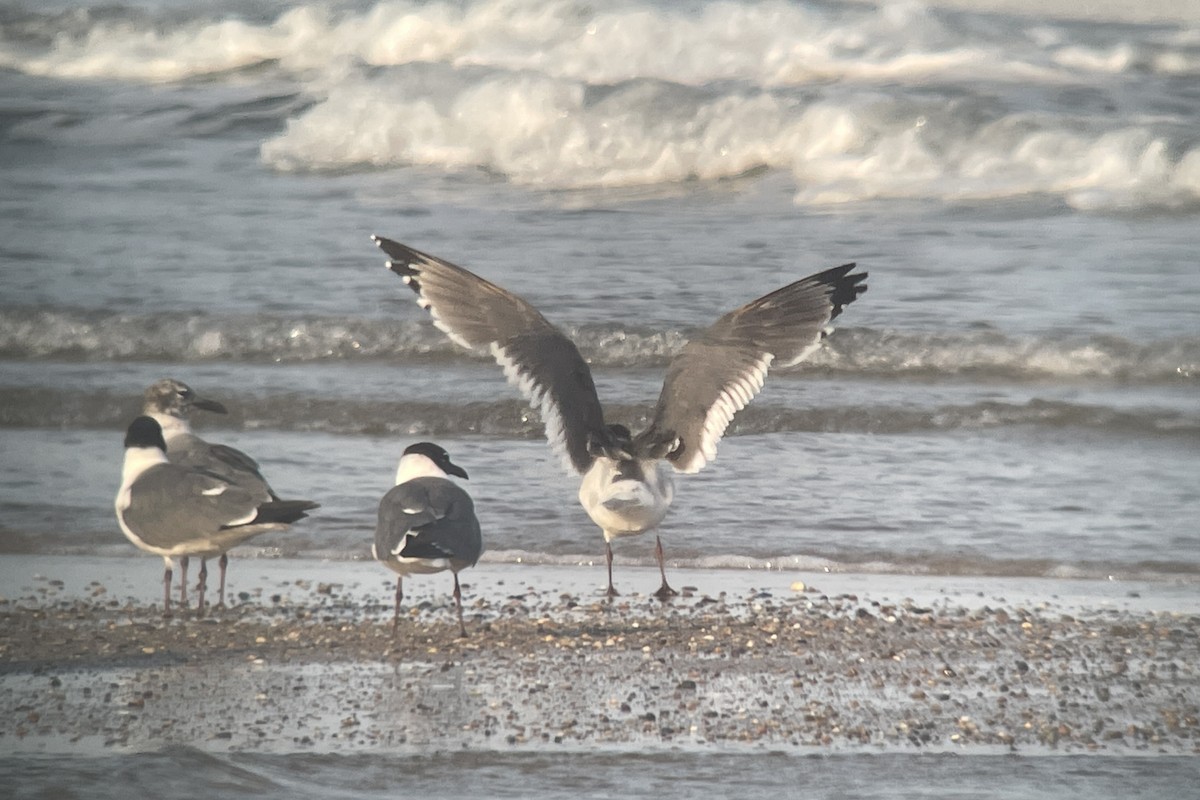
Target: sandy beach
x=305, y=658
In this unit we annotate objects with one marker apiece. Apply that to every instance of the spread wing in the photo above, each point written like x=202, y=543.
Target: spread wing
x=537, y=358
x=721, y=369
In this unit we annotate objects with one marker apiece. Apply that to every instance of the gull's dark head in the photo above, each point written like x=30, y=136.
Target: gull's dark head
x=654, y=444
x=145, y=432
x=616, y=443
x=613, y=442
x=175, y=398
x=438, y=456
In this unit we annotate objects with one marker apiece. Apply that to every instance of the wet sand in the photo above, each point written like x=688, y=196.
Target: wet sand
x=305, y=659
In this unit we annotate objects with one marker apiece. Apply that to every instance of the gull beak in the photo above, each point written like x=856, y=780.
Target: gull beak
x=208, y=405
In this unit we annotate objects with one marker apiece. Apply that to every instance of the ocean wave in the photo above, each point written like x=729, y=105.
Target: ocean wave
x=855, y=102
x=764, y=43
x=840, y=146
x=511, y=418
x=191, y=337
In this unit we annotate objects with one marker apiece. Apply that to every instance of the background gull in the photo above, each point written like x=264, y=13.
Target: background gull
x=427, y=522
x=174, y=511
x=170, y=402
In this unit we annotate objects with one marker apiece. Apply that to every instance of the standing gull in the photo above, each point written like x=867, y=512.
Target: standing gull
x=627, y=487
x=170, y=402
x=173, y=511
x=427, y=522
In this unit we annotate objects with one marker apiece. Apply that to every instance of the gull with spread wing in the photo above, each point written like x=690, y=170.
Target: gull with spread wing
x=627, y=483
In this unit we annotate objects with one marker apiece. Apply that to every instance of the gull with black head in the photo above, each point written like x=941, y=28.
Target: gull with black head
x=170, y=402
x=175, y=511
x=627, y=484
x=427, y=522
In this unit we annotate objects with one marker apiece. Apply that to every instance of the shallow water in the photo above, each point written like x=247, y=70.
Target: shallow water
x=202, y=211
x=185, y=772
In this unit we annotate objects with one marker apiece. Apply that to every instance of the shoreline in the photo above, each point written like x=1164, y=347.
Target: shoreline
x=305, y=661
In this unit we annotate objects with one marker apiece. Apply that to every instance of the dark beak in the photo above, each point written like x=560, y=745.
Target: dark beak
x=208, y=405
x=455, y=469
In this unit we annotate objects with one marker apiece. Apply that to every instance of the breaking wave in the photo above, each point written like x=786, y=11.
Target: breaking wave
x=764, y=43
x=856, y=102
x=189, y=337
x=562, y=134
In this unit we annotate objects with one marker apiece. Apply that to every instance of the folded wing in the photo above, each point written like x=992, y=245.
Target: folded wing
x=428, y=518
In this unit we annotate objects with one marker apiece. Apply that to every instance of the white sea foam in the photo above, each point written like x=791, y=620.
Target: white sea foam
x=764, y=43
x=856, y=102
x=551, y=132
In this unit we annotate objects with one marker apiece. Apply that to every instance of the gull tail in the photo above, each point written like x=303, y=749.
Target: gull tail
x=282, y=511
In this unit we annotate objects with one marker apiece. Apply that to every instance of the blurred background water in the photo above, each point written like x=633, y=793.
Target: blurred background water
x=189, y=190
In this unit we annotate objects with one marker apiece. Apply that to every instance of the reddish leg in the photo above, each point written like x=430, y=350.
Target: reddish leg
x=183, y=565
x=399, y=597
x=664, y=591
x=167, y=591
x=611, y=593
x=201, y=585
x=462, y=629
x=222, y=563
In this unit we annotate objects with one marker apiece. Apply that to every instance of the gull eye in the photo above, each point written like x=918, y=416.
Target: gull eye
x=676, y=448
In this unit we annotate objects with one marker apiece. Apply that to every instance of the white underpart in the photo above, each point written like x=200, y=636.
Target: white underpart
x=417, y=566
x=733, y=397
x=137, y=461
x=540, y=399
x=626, y=507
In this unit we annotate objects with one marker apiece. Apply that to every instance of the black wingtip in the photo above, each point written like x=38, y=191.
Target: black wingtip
x=846, y=287
x=395, y=250
x=418, y=547
x=400, y=259
x=284, y=511
x=402, y=268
